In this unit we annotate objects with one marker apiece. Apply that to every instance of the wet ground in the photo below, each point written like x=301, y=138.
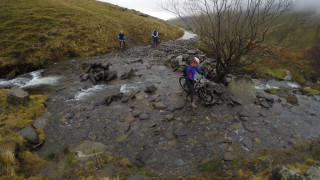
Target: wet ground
x=174, y=140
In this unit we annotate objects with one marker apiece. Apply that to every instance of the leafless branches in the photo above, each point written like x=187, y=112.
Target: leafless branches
x=230, y=29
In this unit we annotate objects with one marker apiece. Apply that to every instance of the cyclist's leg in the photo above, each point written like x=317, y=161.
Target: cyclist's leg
x=190, y=86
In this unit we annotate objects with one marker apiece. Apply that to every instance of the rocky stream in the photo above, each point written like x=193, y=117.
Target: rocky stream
x=132, y=103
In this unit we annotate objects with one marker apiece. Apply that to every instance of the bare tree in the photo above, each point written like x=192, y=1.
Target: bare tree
x=230, y=29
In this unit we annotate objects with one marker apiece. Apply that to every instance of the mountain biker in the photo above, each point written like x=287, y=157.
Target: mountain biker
x=155, y=36
x=190, y=79
x=122, y=37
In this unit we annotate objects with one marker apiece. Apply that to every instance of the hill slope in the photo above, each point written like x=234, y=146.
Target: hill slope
x=34, y=33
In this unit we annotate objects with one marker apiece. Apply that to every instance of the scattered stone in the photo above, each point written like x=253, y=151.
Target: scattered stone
x=178, y=105
x=264, y=104
x=247, y=142
x=262, y=114
x=248, y=127
x=127, y=75
x=228, y=156
x=181, y=131
x=144, y=116
x=317, y=98
x=179, y=162
x=135, y=113
x=17, y=96
x=123, y=126
x=169, y=117
x=267, y=121
x=150, y=89
x=111, y=76
x=129, y=119
x=179, y=58
x=30, y=134
x=283, y=173
x=160, y=106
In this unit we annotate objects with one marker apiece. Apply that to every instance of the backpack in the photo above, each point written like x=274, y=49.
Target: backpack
x=184, y=71
x=121, y=35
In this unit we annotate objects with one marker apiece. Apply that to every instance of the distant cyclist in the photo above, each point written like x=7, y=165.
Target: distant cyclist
x=122, y=37
x=191, y=70
x=155, y=36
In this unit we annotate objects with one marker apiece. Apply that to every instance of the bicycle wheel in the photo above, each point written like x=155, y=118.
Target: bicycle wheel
x=182, y=81
x=205, y=95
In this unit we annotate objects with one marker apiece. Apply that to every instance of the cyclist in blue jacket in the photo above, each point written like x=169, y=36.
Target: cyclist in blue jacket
x=190, y=79
x=122, y=37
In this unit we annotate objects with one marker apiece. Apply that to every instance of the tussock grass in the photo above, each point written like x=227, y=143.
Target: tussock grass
x=17, y=117
x=7, y=162
x=40, y=32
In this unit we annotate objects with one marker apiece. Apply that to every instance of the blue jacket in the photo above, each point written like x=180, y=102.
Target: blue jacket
x=191, y=71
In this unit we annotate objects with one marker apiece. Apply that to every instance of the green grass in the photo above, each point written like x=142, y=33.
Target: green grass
x=39, y=32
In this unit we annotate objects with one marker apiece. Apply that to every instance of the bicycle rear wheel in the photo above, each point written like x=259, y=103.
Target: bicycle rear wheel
x=205, y=95
x=182, y=81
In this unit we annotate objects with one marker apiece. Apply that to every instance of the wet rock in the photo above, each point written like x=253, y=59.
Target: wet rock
x=228, y=156
x=123, y=126
x=136, y=60
x=178, y=105
x=169, y=117
x=243, y=88
x=127, y=75
x=111, y=75
x=143, y=156
x=262, y=114
x=236, y=100
x=84, y=77
x=292, y=99
x=181, y=131
x=313, y=173
x=17, y=96
x=129, y=119
x=138, y=177
x=283, y=173
x=316, y=98
x=30, y=134
x=248, y=126
x=288, y=77
x=136, y=113
x=264, y=104
x=41, y=122
x=191, y=52
x=12, y=74
x=86, y=149
x=160, y=106
x=107, y=100
x=144, y=116
x=151, y=89
x=247, y=142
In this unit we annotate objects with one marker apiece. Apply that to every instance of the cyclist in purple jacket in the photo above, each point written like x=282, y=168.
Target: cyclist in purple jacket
x=190, y=79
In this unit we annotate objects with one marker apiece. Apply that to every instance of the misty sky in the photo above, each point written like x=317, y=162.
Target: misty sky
x=152, y=7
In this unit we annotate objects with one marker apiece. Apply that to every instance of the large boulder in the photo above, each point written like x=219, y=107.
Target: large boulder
x=16, y=96
x=87, y=149
x=30, y=134
x=313, y=172
x=243, y=88
x=283, y=173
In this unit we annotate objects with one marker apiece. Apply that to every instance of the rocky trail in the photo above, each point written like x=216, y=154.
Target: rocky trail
x=132, y=103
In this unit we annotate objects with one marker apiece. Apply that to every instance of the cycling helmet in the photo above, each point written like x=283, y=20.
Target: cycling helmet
x=121, y=32
x=196, y=60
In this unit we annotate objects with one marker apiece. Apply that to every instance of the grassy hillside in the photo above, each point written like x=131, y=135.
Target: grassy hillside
x=34, y=33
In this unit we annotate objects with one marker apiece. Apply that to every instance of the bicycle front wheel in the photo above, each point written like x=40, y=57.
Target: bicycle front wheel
x=205, y=95
x=183, y=84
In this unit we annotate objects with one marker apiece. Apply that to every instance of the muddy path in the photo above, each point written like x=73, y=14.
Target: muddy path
x=170, y=138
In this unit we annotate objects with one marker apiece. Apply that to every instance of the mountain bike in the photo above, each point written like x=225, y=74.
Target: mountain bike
x=203, y=93
x=155, y=43
x=122, y=44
